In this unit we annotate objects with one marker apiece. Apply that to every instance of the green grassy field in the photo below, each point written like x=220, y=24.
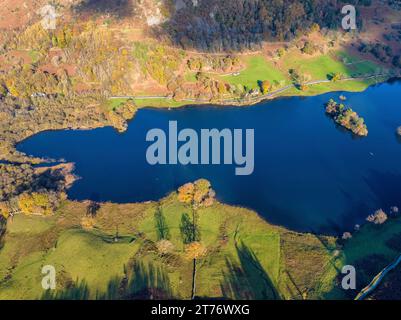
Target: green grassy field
x=320, y=67
x=243, y=251
x=246, y=257
x=257, y=69
x=113, y=104
x=316, y=89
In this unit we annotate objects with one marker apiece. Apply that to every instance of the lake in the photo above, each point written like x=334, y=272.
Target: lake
x=310, y=174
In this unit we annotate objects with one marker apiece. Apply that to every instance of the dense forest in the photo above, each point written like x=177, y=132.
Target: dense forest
x=243, y=24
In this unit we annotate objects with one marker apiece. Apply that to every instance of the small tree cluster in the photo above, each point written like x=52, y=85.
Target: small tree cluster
x=347, y=235
x=346, y=117
x=214, y=63
x=198, y=193
x=337, y=76
x=35, y=203
x=309, y=48
x=265, y=86
x=379, y=217
x=195, y=250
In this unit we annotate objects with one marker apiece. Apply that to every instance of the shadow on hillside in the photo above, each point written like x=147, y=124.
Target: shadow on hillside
x=147, y=282
x=75, y=291
x=247, y=280
x=3, y=227
x=141, y=282
x=117, y=8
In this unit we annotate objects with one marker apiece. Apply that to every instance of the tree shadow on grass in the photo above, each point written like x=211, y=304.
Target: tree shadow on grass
x=78, y=290
x=148, y=281
x=3, y=227
x=140, y=282
x=248, y=279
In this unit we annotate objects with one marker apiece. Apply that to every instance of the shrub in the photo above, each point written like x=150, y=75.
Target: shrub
x=336, y=76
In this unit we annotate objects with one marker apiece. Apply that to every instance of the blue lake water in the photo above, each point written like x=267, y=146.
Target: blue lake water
x=310, y=175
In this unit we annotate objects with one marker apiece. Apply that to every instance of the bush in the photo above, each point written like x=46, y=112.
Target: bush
x=309, y=48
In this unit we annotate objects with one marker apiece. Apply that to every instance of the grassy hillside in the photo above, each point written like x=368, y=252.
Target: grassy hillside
x=258, y=68
x=246, y=257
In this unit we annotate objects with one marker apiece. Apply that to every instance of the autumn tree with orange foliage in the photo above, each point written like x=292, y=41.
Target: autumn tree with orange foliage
x=198, y=193
x=35, y=203
x=195, y=250
x=4, y=210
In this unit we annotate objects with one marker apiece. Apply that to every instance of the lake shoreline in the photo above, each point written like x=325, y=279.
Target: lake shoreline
x=295, y=114
x=244, y=104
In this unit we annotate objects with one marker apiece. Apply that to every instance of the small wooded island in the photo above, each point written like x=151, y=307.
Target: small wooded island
x=347, y=118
